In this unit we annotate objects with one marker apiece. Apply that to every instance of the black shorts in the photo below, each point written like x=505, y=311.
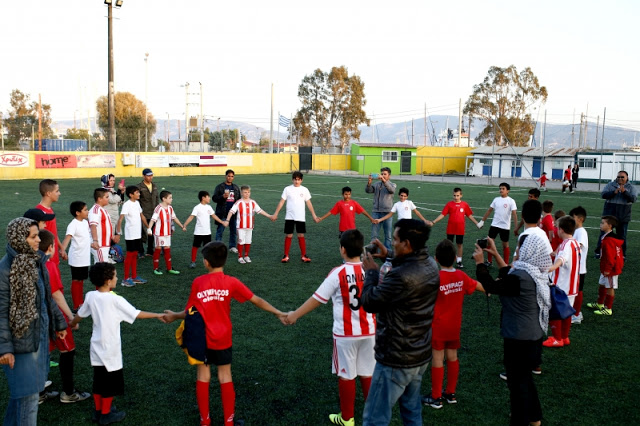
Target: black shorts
x=107, y=384
x=134, y=245
x=581, y=285
x=201, y=240
x=504, y=234
x=459, y=238
x=79, y=273
x=301, y=227
x=219, y=357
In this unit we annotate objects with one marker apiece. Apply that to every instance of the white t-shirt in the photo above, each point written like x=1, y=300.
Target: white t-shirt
x=296, y=198
x=403, y=208
x=580, y=235
x=108, y=311
x=203, y=213
x=133, y=224
x=502, y=208
x=535, y=230
x=80, y=247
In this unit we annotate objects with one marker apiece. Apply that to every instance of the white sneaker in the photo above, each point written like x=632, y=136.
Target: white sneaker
x=247, y=259
x=233, y=250
x=576, y=319
x=241, y=260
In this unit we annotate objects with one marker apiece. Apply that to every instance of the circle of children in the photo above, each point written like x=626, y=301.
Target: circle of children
x=209, y=325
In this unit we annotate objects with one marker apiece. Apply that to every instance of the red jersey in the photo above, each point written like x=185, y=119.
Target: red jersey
x=101, y=219
x=611, y=257
x=567, y=276
x=246, y=210
x=52, y=227
x=546, y=224
x=163, y=217
x=447, y=313
x=556, y=240
x=211, y=294
x=543, y=180
x=347, y=211
x=54, y=277
x=457, y=213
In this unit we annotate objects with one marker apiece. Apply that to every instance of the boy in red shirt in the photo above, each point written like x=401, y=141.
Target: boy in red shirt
x=543, y=181
x=347, y=209
x=447, y=320
x=547, y=224
x=611, y=263
x=556, y=240
x=457, y=211
x=211, y=295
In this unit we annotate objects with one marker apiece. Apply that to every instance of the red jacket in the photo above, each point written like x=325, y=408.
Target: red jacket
x=611, y=258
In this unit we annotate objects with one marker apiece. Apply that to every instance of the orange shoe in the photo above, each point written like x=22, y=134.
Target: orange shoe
x=551, y=342
x=305, y=259
x=566, y=341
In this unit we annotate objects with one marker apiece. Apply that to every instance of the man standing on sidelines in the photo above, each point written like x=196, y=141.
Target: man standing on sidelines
x=149, y=199
x=382, y=191
x=225, y=195
x=620, y=196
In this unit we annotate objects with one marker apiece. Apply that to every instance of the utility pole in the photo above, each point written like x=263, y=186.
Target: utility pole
x=586, y=125
x=111, y=94
x=39, y=122
x=597, y=128
x=146, y=100
x=186, y=116
x=573, y=123
x=425, y=124
x=544, y=130
x=459, y=121
x=201, y=122
x=580, y=135
x=271, y=124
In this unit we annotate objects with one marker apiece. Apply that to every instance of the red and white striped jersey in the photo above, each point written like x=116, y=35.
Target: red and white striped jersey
x=101, y=219
x=343, y=286
x=567, y=276
x=246, y=213
x=163, y=217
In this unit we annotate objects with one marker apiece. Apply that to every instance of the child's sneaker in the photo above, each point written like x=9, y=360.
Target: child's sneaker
x=576, y=319
x=128, y=283
x=112, y=417
x=305, y=259
x=566, y=341
x=503, y=376
x=604, y=311
x=434, y=403
x=45, y=396
x=173, y=272
x=537, y=371
x=595, y=305
x=192, y=265
x=551, y=342
x=76, y=396
x=337, y=419
x=233, y=250
x=138, y=280
x=241, y=260
x=157, y=272
x=285, y=259
x=247, y=259
x=450, y=398
x=459, y=265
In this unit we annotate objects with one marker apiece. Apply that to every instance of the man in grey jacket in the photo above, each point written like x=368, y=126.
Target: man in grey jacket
x=382, y=191
x=620, y=196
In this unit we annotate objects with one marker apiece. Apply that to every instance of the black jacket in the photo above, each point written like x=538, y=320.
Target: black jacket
x=148, y=200
x=403, y=304
x=221, y=202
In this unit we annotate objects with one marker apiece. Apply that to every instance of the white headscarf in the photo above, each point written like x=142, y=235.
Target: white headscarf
x=533, y=259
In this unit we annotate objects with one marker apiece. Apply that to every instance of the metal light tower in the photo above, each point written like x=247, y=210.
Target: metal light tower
x=111, y=95
x=146, y=100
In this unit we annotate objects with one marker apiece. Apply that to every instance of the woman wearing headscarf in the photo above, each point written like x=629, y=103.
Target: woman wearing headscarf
x=524, y=294
x=28, y=318
x=116, y=197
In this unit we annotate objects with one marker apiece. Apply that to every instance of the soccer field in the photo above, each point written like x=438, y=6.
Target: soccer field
x=282, y=375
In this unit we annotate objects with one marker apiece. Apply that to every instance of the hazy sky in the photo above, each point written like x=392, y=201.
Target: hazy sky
x=408, y=53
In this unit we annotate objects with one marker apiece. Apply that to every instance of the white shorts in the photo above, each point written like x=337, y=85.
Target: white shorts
x=353, y=356
x=610, y=281
x=244, y=236
x=160, y=242
x=101, y=255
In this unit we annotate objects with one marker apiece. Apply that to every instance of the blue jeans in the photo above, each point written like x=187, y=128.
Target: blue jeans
x=22, y=411
x=388, y=385
x=386, y=226
x=232, y=230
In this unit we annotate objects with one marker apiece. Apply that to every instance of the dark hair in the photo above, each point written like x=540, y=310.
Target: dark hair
x=76, y=207
x=229, y=171
x=413, y=230
x=547, y=206
x=296, y=175
x=245, y=187
x=352, y=240
x=215, y=253
x=386, y=169
x=567, y=224
x=531, y=211
x=611, y=220
x=346, y=189
x=101, y=272
x=558, y=214
x=202, y=194
x=164, y=194
x=579, y=212
x=99, y=193
x=445, y=253
x=535, y=192
x=47, y=185
x=131, y=189
x=506, y=185
x=403, y=190
x=456, y=189
x=46, y=240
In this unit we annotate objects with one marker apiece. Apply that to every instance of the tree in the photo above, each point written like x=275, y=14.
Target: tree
x=332, y=106
x=505, y=97
x=74, y=133
x=22, y=119
x=224, y=139
x=130, y=123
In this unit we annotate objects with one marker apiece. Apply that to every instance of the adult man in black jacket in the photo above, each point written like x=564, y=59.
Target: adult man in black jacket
x=225, y=195
x=149, y=199
x=403, y=302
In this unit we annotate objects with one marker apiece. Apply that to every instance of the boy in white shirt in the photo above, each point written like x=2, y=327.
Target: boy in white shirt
x=579, y=214
x=132, y=214
x=505, y=210
x=79, y=235
x=162, y=217
x=202, y=231
x=403, y=208
x=296, y=196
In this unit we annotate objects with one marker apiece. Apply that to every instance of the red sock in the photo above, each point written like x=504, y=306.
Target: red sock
x=247, y=247
x=556, y=328
x=437, y=375
x=106, y=405
x=566, y=327
x=156, y=258
x=202, y=396
x=240, y=250
x=77, y=293
x=194, y=253
x=506, y=252
x=577, y=304
x=453, y=371
x=602, y=292
x=489, y=257
x=134, y=265
x=365, y=382
x=167, y=258
x=97, y=400
x=128, y=263
x=608, y=301
x=287, y=245
x=228, y=395
x=347, y=391
x=303, y=247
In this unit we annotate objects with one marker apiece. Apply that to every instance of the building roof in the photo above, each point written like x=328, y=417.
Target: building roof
x=526, y=151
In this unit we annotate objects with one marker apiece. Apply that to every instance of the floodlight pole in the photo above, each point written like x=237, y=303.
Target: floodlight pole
x=111, y=95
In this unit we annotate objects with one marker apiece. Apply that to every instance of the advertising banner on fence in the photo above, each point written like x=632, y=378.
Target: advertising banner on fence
x=152, y=161
x=213, y=160
x=184, y=160
x=56, y=161
x=14, y=159
x=97, y=161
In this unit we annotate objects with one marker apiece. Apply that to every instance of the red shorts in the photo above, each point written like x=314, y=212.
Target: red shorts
x=440, y=345
x=63, y=345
